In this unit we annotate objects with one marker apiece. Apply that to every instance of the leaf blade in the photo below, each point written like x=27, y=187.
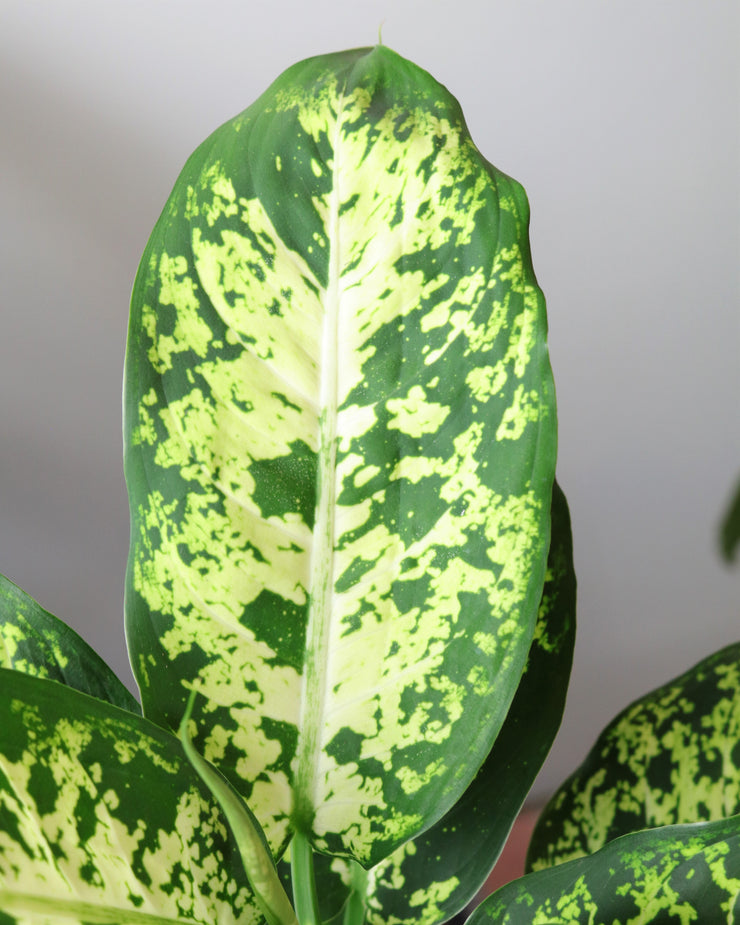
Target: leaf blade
x=36, y=643
x=673, y=873
x=339, y=461
x=669, y=757
x=101, y=811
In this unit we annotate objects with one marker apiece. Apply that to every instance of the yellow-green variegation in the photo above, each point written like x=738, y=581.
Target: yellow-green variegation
x=673, y=756
x=340, y=452
x=434, y=876
x=103, y=820
x=673, y=874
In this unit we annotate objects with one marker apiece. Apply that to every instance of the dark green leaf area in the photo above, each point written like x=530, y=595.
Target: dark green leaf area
x=346, y=746
x=36, y=643
x=669, y=875
x=287, y=483
x=673, y=756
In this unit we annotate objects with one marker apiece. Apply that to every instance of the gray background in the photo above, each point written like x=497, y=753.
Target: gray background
x=622, y=119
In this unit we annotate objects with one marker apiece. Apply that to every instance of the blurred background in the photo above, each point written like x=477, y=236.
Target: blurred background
x=622, y=120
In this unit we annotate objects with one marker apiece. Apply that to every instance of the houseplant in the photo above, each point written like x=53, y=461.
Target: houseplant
x=350, y=595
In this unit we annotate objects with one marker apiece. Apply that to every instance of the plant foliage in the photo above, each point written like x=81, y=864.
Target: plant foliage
x=671, y=757
x=350, y=588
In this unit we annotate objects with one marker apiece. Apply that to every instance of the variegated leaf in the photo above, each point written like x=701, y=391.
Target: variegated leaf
x=430, y=879
x=37, y=643
x=102, y=819
x=673, y=756
x=676, y=874
x=340, y=452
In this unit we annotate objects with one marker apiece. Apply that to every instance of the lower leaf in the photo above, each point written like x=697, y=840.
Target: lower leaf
x=682, y=874
x=102, y=819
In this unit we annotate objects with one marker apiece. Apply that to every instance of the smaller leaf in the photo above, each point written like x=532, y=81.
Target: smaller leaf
x=683, y=873
x=36, y=643
x=102, y=819
x=671, y=757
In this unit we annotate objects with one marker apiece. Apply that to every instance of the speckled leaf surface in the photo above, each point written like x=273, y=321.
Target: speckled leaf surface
x=677, y=874
x=38, y=644
x=433, y=877
x=102, y=818
x=340, y=450
x=673, y=756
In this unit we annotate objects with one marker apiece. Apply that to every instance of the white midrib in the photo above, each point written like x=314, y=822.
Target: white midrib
x=321, y=589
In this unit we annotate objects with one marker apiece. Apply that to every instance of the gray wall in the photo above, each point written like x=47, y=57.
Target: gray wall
x=621, y=119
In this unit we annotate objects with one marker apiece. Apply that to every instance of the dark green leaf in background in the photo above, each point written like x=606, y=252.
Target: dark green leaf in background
x=38, y=644
x=340, y=451
x=673, y=756
x=674, y=875
x=730, y=529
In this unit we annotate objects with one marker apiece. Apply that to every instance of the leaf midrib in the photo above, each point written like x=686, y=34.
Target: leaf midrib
x=321, y=582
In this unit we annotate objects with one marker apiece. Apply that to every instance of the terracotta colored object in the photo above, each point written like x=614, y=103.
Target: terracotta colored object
x=511, y=863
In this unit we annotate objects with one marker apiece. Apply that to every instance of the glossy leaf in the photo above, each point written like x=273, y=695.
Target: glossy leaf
x=433, y=877
x=340, y=452
x=673, y=756
x=38, y=644
x=680, y=874
x=102, y=819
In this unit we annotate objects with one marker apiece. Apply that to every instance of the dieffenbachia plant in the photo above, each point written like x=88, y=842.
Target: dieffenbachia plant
x=350, y=598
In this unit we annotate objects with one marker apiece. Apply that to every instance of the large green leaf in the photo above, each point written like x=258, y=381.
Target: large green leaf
x=102, y=819
x=434, y=876
x=677, y=874
x=673, y=756
x=340, y=451
x=37, y=643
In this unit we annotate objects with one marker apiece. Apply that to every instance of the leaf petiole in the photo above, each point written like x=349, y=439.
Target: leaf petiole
x=304, y=883
x=258, y=863
x=354, y=911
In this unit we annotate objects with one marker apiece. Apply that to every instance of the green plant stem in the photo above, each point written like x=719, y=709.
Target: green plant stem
x=304, y=883
x=354, y=911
